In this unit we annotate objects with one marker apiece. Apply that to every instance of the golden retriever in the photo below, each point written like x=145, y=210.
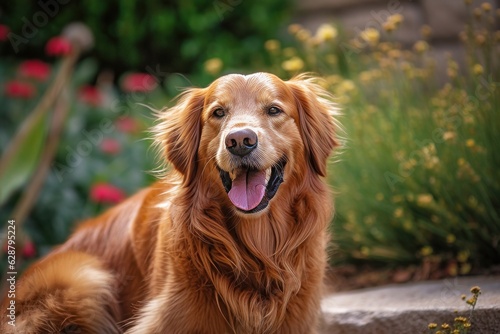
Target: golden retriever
x=231, y=240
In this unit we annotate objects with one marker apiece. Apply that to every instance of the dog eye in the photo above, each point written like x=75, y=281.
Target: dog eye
x=274, y=111
x=219, y=113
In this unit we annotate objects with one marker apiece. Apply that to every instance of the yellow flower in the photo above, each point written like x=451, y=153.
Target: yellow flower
x=421, y=46
x=389, y=26
x=445, y=326
x=449, y=135
x=292, y=65
x=396, y=19
x=486, y=7
x=426, y=251
x=346, y=86
x=213, y=66
x=365, y=251
x=480, y=39
x=326, y=32
x=398, y=213
x=432, y=325
x=471, y=301
x=371, y=36
x=450, y=238
x=407, y=225
x=463, y=256
x=477, y=69
x=303, y=35
x=477, y=13
x=424, y=199
x=475, y=290
x=294, y=28
x=394, y=53
x=365, y=76
x=272, y=45
x=426, y=31
x=451, y=72
x=470, y=143
x=334, y=79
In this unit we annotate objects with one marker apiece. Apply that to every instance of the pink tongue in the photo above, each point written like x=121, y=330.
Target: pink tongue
x=248, y=189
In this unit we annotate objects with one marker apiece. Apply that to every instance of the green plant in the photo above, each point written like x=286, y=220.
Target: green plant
x=72, y=143
x=418, y=178
x=460, y=325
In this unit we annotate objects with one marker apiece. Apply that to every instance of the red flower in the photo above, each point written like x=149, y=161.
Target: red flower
x=106, y=193
x=58, y=46
x=19, y=89
x=139, y=82
x=127, y=124
x=35, y=69
x=110, y=146
x=29, y=249
x=4, y=32
x=90, y=95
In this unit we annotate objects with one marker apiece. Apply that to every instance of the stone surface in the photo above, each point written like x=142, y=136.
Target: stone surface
x=409, y=308
x=448, y=17
x=356, y=19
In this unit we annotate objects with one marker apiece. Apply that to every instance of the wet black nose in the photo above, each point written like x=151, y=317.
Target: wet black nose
x=241, y=142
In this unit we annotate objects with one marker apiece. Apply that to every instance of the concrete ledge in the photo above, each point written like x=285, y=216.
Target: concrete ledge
x=409, y=308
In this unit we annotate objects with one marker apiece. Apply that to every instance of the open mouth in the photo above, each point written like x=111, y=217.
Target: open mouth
x=250, y=190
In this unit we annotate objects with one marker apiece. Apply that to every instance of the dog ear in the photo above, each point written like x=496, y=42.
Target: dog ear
x=177, y=135
x=316, y=123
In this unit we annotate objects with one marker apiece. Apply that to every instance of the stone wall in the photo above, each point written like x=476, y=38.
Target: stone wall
x=446, y=18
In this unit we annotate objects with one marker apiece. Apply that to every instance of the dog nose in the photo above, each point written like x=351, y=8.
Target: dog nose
x=241, y=142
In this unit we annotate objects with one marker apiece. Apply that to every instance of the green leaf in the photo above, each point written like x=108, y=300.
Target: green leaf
x=85, y=71
x=24, y=160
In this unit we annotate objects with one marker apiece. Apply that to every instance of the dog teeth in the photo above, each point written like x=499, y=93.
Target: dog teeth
x=268, y=174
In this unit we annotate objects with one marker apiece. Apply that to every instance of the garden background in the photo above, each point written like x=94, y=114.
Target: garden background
x=417, y=181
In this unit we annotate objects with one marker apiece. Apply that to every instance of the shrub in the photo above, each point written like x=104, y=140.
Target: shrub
x=418, y=178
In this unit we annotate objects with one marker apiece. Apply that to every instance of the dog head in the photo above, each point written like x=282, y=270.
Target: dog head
x=254, y=131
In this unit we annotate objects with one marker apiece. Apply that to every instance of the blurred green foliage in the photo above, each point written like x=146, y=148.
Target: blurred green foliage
x=418, y=178
x=134, y=34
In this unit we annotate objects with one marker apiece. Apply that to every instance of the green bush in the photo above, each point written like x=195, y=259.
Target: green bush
x=418, y=178
x=178, y=35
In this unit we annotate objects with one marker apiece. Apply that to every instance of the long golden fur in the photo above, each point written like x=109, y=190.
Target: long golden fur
x=231, y=240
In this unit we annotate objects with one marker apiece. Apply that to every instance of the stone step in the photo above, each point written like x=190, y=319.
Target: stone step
x=410, y=307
